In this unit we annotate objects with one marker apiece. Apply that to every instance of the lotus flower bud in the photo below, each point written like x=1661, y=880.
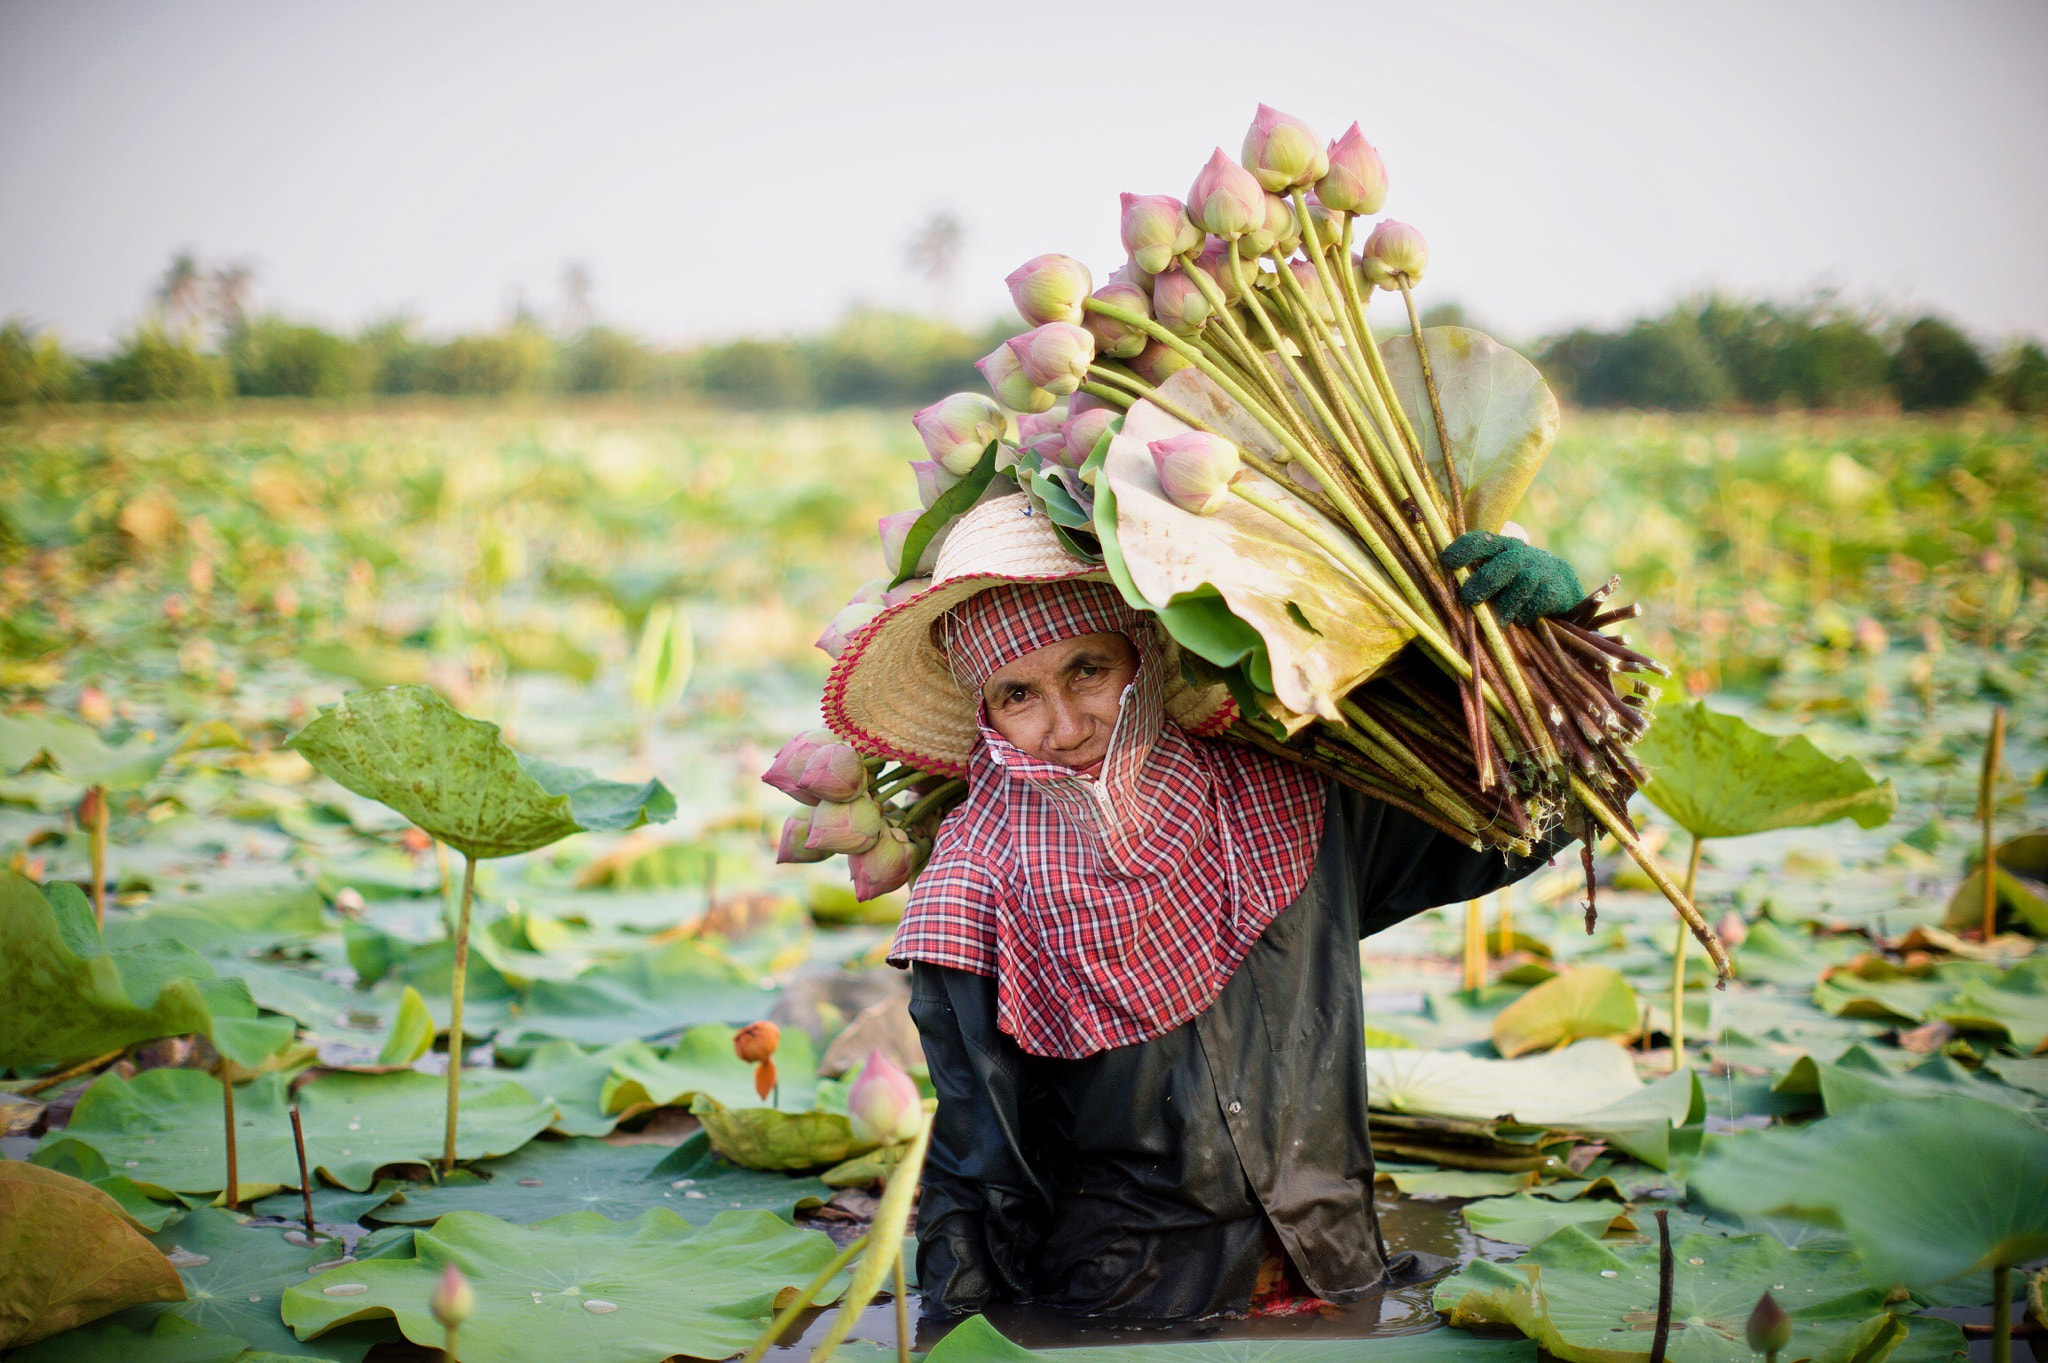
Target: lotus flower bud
x=1156, y=230
x=1195, y=470
x=1049, y=289
x=956, y=430
x=1329, y=222
x=1137, y=277
x=1769, y=1328
x=94, y=707
x=1007, y=380
x=895, y=530
x=756, y=1041
x=1356, y=181
x=832, y=773
x=1030, y=429
x=1394, y=253
x=886, y=866
x=786, y=772
x=842, y=627
x=1312, y=286
x=453, y=1301
x=1119, y=340
x=932, y=482
x=1088, y=402
x=1283, y=224
x=853, y=826
x=1084, y=432
x=883, y=1105
x=1055, y=357
x=1178, y=304
x=1283, y=152
x=1225, y=198
x=1158, y=362
x=790, y=848
x=872, y=589
x=1215, y=262
x=896, y=596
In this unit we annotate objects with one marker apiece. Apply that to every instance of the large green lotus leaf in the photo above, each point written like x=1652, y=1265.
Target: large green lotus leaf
x=975, y=1340
x=1884, y=992
x=167, y=1339
x=703, y=1061
x=163, y=1128
x=1585, y=1001
x=765, y=1138
x=83, y=758
x=235, y=1278
x=1500, y=414
x=83, y=1163
x=1770, y=954
x=1641, y=1123
x=1557, y=1088
x=1427, y=1182
x=1926, y=1191
x=1523, y=1219
x=1857, y=1078
x=552, y=1178
x=406, y=747
x=1323, y=631
x=574, y=1080
x=646, y=995
x=579, y=1286
x=68, y=1255
x=2016, y=1004
x=232, y=923
x=1588, y=1302
x=1717, y=777
x=2021, y=900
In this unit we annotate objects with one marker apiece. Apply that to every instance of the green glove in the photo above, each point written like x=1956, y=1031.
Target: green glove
x=1523, y=582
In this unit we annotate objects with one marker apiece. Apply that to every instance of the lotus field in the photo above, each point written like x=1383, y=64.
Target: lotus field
x=394, y=954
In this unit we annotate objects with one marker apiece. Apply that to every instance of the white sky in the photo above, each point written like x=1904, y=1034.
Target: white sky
x=727, y=168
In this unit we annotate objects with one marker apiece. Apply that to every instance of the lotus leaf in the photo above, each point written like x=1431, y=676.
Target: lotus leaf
x=1322, y=631
x=1555, y=1088
x=645, y=995
x=229, y=924
x=764, y=1138
x=412, y=1031
x=1926, y=1191
x=169, y=1339
x=1524, y=1219
x=661, y=1285
x=1857, y=1078
x=1588, y=1302
x=703, y=1061
x=975, y=1340
x=2016, y=1005
x=2021, y=891
x=83, y=758
x=573, y=1079
x=1501, y=416
x=1426, y=1182
x=550, y=1178
x=453, y=777
x=83, y=1163
x=68, y=1255
x=1585, y=1001
x=1717, y=777
x=163, y=1129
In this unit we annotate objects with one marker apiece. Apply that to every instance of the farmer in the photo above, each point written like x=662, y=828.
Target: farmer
x=1133, y=954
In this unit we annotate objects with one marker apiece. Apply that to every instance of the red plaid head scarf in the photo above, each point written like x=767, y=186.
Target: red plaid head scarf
x=1110, y=910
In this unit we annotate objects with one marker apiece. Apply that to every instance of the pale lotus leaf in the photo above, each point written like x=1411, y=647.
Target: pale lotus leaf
x=765, y=1138
x=1317, y=628
x=1589, y=1302
x=456, y=779
x=81, y=757
x=412, y=1031
x=1428, y=1183
x=1525, y=1219
x=1552, y=1089
x=1717, y=777
x=1925, y=1191
x=69, y=1255
x=1584, y=1001
x=660, y=1285
x=703, y=1061
x=1500, y=414
x=975, y=1340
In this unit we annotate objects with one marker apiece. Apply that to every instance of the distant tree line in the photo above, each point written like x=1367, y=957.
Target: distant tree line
x=1720, y=354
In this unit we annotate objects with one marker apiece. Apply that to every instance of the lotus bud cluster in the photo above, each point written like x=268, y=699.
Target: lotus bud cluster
x=884, y=1106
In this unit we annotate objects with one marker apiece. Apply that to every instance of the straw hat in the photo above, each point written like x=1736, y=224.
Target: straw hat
x=891, y=693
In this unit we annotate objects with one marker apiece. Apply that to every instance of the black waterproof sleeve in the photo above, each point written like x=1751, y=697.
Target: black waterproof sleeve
x=1405, y=866
x=982, y=1208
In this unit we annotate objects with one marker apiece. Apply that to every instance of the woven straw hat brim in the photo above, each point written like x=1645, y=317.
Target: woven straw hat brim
x=891, y=693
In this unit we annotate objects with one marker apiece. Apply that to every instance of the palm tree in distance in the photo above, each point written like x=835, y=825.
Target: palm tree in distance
x=935, y=253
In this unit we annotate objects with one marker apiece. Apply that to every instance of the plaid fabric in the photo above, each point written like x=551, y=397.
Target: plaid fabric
x=1002, y=624
x=1109, y=910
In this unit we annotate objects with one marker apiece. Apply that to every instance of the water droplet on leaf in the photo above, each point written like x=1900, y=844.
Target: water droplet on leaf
x=529, y=1183
x=1610, y=1273
x=597, y=1306
x=185, y=1258
x=346, y=1289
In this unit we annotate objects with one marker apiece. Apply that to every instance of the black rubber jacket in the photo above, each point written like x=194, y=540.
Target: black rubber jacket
x=1140, y=1181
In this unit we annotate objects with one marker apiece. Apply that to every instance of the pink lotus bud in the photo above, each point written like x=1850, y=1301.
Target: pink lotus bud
x=1084, y=432
x=1130, y=272
x=1031, y=428
x=1395, y=253
x=843, y=626
x=1282, y=152
x=870, y=590
x=1216, y=261
x=453, y=1300
x=886, y=866
x=1119, y=340
x=94, y=707
x=832, y=774
x=956, y=429
x=1049, y=289
x=1225, y=198
x=1195, y=470
x=895, y=529
x=1156, y=229
x=1282, y=224
x=853, y=826
x=896, y=596
x=1158, y=362
x=1088, y=402
x=1180, y=306
x=1357, y=179
x=790, y=849
x=1312, y=285
x=1007, y=380
x=1055, y=356
x=1329, y=222
x=932, y=482
x=785, y=773
x=883, y=1105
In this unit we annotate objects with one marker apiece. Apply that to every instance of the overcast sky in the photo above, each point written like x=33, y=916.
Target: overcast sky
x=755, y=167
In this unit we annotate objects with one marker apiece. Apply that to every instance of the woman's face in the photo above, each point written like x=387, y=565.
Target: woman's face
x=1058, y=704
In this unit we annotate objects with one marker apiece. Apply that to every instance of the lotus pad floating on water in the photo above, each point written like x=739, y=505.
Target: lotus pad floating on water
x=68, y=1255
x=765, y=1138
x=975, y=1340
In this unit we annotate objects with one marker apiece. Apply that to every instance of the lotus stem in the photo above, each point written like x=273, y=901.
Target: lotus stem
x=96, y=841
x=1504, y=939
x=803, y=1300
x=1666, y=1274
x=1454, y=495
x=2001, y=1304
x=885, y=1242
x=457, y=988
x=1987, y=806
x=901, y=1292
x=1108, y=394
x=931, y=801
x=1138, y=389
x=1475, y=946
x=305, y=1180
x=1607, y=819
x=1678, y=948
x=233, y=1192
x=70, y=1072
